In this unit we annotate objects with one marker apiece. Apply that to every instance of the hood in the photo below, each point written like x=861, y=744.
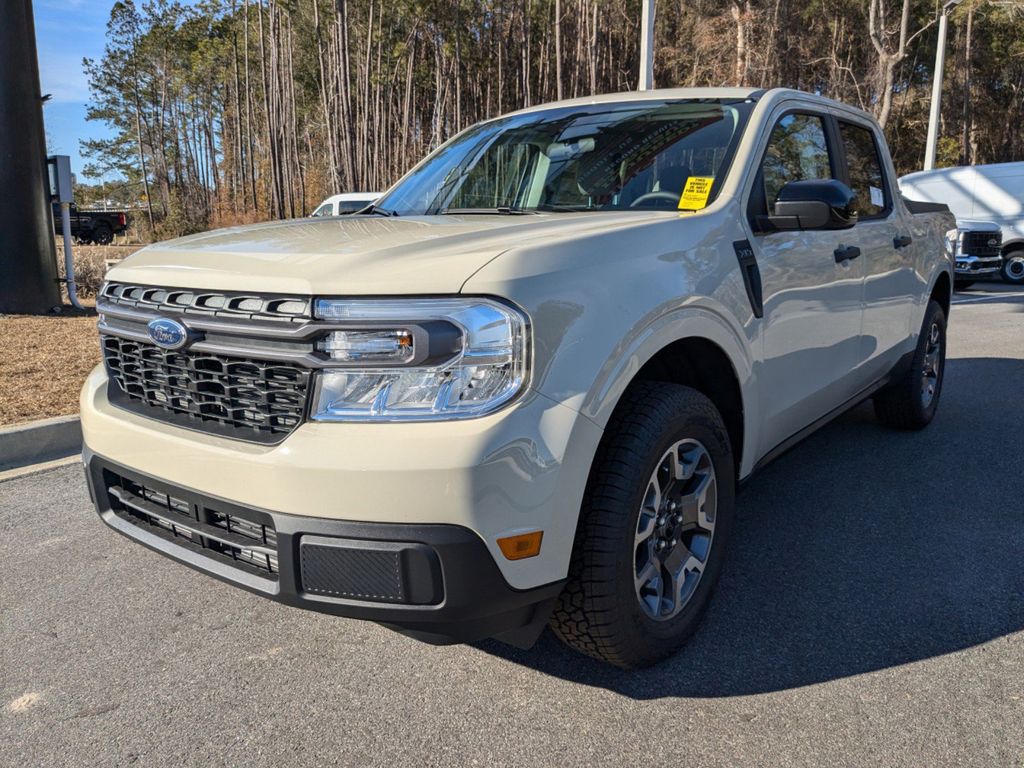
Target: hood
x=976, y=225
x=356, y=255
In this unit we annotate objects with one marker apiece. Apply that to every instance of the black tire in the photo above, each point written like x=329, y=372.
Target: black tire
x=102, y=234
x=1013, y=267
x=961, y=285
x=600, y=613
x=903, y=405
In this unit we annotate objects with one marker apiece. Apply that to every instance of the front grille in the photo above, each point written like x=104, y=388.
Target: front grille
x=233, y=396
x=244, y=306
x=978, y=243
x=248, y=544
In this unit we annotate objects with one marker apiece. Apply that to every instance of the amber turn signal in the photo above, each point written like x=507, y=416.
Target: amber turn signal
x=522, y=546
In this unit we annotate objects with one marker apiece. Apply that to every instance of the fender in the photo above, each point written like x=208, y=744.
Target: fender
x=692, y=321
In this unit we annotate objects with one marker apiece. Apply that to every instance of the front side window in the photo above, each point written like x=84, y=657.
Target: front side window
x=865, y=167
x=797, y=151
x=327, y=209
x=607, y=157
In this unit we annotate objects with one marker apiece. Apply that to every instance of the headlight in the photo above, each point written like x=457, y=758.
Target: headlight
x=419, y=359
x=953, y=242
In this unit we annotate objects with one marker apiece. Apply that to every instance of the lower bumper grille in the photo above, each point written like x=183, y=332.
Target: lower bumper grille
x=236, y=397
x=247, y=544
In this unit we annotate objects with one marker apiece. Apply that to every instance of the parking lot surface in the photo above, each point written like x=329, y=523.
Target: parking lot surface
x=871, y=613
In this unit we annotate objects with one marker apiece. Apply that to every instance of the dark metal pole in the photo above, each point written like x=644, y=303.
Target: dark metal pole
x=28, y=259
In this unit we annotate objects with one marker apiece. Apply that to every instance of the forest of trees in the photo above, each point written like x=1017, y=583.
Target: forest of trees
x=240, y=110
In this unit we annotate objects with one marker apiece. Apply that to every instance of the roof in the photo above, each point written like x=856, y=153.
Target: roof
x=658, y=94
x=664, y=94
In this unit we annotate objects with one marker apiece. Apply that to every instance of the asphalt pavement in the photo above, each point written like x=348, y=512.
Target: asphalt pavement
x=871, y=613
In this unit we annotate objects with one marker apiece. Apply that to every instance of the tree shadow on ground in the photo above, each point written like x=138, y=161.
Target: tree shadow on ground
x=861, y=549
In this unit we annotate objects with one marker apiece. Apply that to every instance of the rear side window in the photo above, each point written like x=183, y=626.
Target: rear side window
x=865, y=168
x=351, y=206
x=797, y=150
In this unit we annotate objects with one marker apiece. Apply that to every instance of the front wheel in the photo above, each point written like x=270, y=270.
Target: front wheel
x=653, y=528
x=1013, y=267
x=910, y=401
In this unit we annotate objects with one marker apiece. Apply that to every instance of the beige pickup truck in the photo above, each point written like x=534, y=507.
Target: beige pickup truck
x=521, y=388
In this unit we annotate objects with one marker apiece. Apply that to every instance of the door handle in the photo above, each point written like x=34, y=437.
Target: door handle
x=845, y=253
x=902, y=241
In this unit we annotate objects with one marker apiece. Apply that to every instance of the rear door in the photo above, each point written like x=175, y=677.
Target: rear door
x=812, y=302
x=886, y=246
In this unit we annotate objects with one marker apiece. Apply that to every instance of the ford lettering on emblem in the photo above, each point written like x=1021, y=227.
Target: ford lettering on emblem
x=167, y=333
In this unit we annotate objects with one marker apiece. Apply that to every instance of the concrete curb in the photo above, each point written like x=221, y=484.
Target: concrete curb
x=39, y=441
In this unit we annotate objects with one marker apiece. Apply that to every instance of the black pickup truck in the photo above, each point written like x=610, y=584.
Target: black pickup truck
x=92, y=226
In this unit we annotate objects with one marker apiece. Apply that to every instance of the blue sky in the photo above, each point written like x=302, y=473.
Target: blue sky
x=67, y=31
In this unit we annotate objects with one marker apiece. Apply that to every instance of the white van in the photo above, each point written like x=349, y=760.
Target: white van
x=345, y=203
x=991, y=192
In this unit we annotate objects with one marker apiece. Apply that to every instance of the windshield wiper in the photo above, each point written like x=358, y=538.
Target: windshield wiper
x=504, y=210
x=377, y=211
x=560, y=208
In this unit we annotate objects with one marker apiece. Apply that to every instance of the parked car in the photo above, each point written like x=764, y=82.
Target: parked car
x=349, y=202
x=97, y=227
x=993, y=193
x=976, y=245
x=527, y=387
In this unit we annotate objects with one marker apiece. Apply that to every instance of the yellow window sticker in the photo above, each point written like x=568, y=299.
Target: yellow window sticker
x=695, y=193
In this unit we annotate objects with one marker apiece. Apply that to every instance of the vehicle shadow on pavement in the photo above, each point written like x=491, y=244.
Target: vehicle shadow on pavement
x=861, y=549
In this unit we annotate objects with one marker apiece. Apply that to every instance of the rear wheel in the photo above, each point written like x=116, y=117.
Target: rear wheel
x=1013, y=267
x=653, y=528
x=910, y=402
x=102, y=234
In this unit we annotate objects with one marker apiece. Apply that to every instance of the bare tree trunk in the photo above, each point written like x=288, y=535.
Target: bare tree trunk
x=558, y=49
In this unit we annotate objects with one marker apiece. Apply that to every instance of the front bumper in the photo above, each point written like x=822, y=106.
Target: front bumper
x=521, y=469
x=437, y=583
x=978, y=265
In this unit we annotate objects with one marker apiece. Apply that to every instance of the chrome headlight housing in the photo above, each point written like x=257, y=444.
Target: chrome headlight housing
x=952, y=240
x=419, y=359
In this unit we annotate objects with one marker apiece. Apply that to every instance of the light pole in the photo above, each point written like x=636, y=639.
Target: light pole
x=28, y=262
x=940, y=65
x=647, y=46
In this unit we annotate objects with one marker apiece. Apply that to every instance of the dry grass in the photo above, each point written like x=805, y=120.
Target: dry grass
x=44, y=359
x=91, y=263
x=43, y=362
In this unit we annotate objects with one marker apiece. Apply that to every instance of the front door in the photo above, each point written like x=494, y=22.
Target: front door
x=813, y=303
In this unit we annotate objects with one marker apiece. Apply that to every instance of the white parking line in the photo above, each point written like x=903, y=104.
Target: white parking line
x=989, y=297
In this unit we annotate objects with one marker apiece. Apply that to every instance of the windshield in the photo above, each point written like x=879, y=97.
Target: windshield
x=609, y=157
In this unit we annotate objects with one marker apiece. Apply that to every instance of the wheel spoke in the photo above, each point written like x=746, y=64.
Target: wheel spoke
x=645, y=526
x=681, y=560
x=652, y=500
x=676, y=466
x=648, y=574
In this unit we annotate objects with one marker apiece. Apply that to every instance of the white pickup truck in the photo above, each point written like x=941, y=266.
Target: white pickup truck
x=521, y=389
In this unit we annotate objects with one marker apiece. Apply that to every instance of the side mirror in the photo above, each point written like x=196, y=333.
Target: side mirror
x=814, y=204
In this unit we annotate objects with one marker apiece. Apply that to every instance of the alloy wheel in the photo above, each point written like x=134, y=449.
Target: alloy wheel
x=931, y=370
x=675, y=529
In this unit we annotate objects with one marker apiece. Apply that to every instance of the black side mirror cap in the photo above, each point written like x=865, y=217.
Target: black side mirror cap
x=814, y=204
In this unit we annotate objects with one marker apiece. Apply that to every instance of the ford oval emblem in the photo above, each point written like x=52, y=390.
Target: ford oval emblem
x=992, y=242
x=167, y=333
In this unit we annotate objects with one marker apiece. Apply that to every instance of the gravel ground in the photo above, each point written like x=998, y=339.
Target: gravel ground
x=871, y=613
